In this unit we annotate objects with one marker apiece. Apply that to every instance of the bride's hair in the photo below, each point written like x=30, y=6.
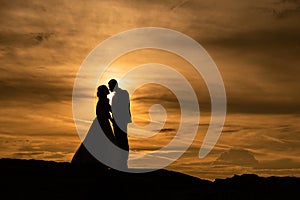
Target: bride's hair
x=102, y=91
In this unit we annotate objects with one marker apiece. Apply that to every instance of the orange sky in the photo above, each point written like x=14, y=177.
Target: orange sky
x=255, y=45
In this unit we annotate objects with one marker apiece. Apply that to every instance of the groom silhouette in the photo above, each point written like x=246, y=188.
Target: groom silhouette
x=120, y=106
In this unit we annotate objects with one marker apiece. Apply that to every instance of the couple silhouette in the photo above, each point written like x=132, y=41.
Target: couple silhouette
x=113, y=119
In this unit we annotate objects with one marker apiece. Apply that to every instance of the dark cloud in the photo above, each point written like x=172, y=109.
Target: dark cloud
x=36, y=34
x=26, y=154
x=40, y=89
x=23, y=40
x=270, y=50
x=179, y=4
x=39, y=37
x=275, y=40
x=239, y=157
x=284, y=163
x=167, y=130
x=261, y=73
x=281, y=9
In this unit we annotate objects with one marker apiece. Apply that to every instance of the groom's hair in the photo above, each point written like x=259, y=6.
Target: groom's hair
x=113, y=82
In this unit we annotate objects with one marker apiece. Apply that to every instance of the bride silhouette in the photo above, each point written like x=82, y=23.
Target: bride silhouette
x=92, y=145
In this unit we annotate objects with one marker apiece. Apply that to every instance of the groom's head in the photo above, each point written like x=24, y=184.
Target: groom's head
x=112, y=84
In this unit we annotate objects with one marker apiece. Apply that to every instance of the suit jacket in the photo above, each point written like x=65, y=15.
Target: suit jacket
x=121, y=107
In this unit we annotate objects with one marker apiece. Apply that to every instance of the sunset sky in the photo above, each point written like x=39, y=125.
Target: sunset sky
x=255, y=45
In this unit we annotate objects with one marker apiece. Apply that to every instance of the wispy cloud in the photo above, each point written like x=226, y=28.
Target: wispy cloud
x=255, y=45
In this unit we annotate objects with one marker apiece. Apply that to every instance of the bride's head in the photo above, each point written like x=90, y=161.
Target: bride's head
x=102, y=92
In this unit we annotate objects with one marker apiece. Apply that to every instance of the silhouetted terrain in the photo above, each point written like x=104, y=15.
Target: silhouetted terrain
x=36, y=179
